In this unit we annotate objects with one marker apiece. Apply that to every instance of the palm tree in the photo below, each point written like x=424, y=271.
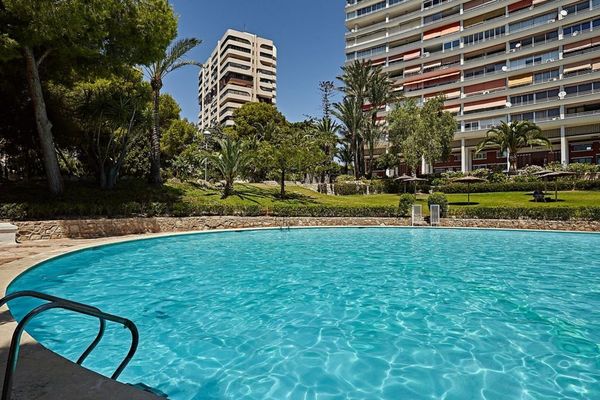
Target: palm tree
x=230, y=160
x=327, y=134
x=156, y=72
x=357, y=78
x=350, y=113
x=511, y=137
x=379, y=94
x=344, y=154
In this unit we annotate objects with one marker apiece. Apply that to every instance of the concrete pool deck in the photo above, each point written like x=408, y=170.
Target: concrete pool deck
x=40, y=373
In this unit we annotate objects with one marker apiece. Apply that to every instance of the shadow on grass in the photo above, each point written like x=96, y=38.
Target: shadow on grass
x=548, y=200
x=463, y=203
x=89, y=192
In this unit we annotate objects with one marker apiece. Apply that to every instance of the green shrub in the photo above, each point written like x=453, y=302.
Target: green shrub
x=540, y=213
x=441, y=200
x=349, y=188
x=405, y=204
x=332, y=211
x=520, y=186
x=13, y=211
x=344, y=178
x=376, y=186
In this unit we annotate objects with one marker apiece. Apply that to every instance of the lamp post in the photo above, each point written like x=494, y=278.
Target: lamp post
x=207, y=134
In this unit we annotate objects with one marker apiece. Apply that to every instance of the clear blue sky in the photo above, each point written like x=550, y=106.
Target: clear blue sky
x=309, y=35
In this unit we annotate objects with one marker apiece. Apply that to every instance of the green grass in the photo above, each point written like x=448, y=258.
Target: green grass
x=268, y=196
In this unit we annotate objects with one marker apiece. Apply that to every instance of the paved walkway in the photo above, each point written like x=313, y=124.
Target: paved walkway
x=41, y=374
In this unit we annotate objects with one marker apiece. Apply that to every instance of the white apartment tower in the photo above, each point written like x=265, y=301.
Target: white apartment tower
x=494, y=60
x=241, y=69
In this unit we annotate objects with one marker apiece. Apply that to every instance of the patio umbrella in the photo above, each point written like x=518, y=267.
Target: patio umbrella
x=415, y=180
x=552, y=176
x=402, y=178
x=542, y=172
x=468, y=180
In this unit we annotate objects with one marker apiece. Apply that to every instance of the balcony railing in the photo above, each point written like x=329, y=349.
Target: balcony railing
x=582, y=114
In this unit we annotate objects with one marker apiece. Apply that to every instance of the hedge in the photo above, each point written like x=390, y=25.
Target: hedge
x=539, y=213
x=518, y=186
x=63, y=210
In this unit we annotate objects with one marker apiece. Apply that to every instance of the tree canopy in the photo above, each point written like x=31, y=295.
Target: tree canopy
x=421, y=132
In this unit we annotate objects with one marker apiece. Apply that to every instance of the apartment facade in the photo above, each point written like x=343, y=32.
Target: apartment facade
x=494, y=60
x=242, y=68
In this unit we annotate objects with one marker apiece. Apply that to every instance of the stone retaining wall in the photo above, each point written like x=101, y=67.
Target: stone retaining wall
x=96, y=228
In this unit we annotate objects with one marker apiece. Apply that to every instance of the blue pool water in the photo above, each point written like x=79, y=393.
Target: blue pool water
x=339, y=313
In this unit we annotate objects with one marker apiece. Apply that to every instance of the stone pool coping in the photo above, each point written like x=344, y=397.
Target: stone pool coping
x=42, y=373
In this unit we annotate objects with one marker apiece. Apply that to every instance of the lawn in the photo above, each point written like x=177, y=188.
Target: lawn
x=267, y=195
x=85, y=199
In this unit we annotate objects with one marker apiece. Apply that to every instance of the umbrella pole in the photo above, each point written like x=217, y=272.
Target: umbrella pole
x=555, y=190
x=468, y=193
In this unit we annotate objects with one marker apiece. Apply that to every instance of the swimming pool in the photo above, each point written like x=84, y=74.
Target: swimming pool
x=344, y=313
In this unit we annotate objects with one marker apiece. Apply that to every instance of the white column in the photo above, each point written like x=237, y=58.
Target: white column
x=424, y=166
x=564, y=147
x=463, y=156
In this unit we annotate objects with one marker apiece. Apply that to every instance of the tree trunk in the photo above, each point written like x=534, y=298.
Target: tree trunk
x=356, y=157
x=282, y=191
x=155, y=178
x=371, y=151
x=111, y=178
x=44, y=127
x=227, y=190
x=513, y=163
x=102, y=177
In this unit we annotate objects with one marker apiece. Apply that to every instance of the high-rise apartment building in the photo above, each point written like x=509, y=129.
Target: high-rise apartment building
x=494, y=60
x=241, y=69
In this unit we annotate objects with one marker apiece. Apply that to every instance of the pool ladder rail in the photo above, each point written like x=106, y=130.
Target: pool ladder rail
x=60, y=303
x=285, y=223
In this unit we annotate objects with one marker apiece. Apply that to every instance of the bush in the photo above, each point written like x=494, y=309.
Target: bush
x=344, y=178
x=539, y=213
x=349, y=188
x=405, y=204
x=12, y=211
x=520, y=186
x=441, y=200
x=331, y=211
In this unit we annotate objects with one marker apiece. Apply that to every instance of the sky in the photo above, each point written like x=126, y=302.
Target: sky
x=308, y=34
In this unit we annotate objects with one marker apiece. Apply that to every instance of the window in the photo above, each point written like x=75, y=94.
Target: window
x=535, y=59
x=480, y=156
x=582, y=147
x=582, y=160
x=534, y=40
x=371, y=52
x=471, y=126
x=575, y=8
x=573, y=30
x=583, y=88
x=545, y=76
x=530, y=23
x=483, y=36
x=485, y=70
x=452, y=45
x=522, y=99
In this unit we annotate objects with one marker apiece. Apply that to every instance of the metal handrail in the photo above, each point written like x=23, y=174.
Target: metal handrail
x=54, y=303
x=50, y=298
